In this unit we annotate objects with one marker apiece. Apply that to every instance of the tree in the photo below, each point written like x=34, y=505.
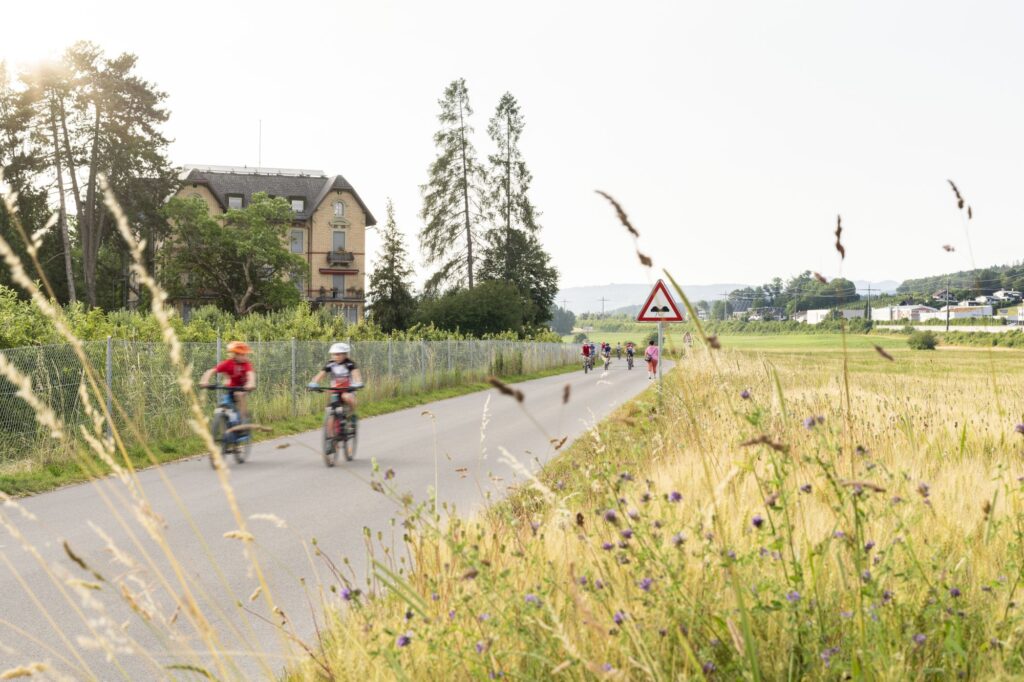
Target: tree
x=392, y=305
x=489, y=308
x=563, y=321
x=513, y=252
x=95, y=117
x=240, y=260
x=453, y=195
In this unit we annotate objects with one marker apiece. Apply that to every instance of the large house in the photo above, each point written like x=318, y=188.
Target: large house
x=329, y=227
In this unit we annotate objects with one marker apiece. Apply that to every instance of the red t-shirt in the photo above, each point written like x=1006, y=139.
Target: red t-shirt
x=236, y=371
x=586, y=349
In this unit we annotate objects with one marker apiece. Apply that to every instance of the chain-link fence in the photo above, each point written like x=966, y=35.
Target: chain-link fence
x=142, y=381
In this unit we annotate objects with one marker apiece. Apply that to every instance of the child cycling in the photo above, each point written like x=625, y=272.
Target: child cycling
x=586, y=352
x=344, y=374
x=240, y=374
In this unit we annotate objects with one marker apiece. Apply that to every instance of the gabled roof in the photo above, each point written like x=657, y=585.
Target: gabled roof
x=314, y=188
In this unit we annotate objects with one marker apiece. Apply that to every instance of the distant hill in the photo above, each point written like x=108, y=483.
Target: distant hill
x=588, y=299
x=626, y=299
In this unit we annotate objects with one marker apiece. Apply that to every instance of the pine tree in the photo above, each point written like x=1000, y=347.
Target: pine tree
x=392, y=305
x=513, y=252
x=452, y=197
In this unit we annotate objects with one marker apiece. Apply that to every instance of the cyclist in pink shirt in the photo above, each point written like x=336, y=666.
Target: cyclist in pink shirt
x=651, y=355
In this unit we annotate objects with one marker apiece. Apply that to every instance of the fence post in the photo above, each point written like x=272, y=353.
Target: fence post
x=218, y=347
x=423, y=362
x=389, y=357
x=449, y=354
x=110, y=384
x=294, y=407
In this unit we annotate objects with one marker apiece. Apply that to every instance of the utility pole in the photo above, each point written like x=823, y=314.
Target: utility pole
x=603, y=301
x=565, y=304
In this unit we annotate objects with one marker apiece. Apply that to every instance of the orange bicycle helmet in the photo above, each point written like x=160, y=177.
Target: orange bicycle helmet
x=239, y=347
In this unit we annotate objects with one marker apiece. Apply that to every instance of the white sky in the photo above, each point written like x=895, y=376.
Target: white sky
x=732, y=132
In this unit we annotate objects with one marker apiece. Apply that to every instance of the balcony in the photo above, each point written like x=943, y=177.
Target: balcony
x=350, y=295
x=340, y=257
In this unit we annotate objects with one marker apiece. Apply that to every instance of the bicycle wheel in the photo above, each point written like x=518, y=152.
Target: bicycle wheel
x=218, y=429
x=586, y=366
x=242, y=450
x=330, y=439
x=349, y=442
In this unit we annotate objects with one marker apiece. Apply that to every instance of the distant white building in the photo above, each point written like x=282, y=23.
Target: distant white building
x=817, y=316
x=959, y=312
x=896, y=313
x=1008, y=296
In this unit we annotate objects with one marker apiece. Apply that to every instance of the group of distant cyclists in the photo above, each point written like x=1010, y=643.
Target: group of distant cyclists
x=591, y=351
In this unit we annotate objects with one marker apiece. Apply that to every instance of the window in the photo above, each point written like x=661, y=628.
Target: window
x=339, y=209
x=235, y=201
x=337, y=282
x=338, y=240
x=300, y=284
x=298, y=204
x=351, y=315
x=298, y=241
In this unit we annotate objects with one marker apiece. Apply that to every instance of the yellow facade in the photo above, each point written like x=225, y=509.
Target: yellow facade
x=337, y=280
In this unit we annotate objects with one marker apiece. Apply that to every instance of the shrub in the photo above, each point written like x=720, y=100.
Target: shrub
x=921, y=340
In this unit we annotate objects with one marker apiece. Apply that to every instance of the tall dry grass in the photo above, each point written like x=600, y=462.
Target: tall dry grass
x=732, y=534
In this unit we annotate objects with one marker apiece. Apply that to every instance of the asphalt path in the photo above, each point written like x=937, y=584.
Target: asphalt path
x=455, y=445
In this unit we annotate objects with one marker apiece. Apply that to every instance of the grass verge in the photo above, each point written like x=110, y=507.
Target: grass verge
x=26, y=477
x=753, y=527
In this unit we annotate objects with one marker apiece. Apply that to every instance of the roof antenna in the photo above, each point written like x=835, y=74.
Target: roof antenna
x=259, y=153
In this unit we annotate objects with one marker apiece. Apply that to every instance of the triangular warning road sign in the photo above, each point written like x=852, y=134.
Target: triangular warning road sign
x=659, y=306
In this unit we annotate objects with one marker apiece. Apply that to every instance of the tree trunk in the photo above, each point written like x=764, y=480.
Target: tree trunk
x=63, y=219
x=88, y=228
x=508, y=196
x=465, y=196
x=72, y=170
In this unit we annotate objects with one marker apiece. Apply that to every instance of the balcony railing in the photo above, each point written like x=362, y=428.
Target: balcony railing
x=340, y=257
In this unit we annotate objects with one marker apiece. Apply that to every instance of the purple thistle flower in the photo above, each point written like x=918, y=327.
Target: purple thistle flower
x=646, y=497
x=708, y=668
x=480, y=646
x=623, y=545
x=869, y=545
x=731, y=554
x=626, y=476
x=346, y=594
x=633, y=514
x=583, y=580
x=920, y=639
x=434, y=596
x=534, y=525
x=827, y=654
x=662, y=632
x=645, y=584
x=451, y=615
x=610, y=516
x=607, y=546
x=923, y=490
x=627, y=533
x=757, y=521
x=809, y=423
x=846, y=614
x=404, y=640
x=793, y=597
x=1019, y=428
x=674, y=496
x=866, y=576
x=599, y=584
x=821, y=419
x=656, y=523
x=408, y=614
x=607, y=667
x=954, y=592
x=533, y=599
x=745, y=394
x=678, y=539
x=484, y=617
x=839, y=535
x=805, y=488
x=619, y=617
x=886, y=596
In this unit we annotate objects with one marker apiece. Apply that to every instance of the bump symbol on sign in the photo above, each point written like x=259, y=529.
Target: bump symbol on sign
x=659, y=306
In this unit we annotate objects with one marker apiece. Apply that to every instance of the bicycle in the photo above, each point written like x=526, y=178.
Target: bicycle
x=588, y=363
x=629, y=361
x=224, y=427
x=607, y=361
x=338, y=428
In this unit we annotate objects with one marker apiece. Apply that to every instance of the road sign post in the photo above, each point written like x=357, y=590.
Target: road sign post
x=661, y=308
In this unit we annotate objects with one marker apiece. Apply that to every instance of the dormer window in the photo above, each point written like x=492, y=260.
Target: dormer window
x=235, y=201
x=339, y=209
x=298, y=204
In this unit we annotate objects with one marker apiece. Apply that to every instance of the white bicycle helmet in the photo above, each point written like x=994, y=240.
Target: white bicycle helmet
x=340, y=348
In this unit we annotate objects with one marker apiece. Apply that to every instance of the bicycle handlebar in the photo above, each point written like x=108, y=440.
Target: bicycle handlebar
x=218, y=387
x=329, y=389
